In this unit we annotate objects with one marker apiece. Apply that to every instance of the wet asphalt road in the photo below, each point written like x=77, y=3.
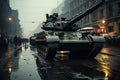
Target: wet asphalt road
x=26, y=64
x=18, y=64
x=105, y=66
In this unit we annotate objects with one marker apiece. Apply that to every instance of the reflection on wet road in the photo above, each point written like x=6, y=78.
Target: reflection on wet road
x=27, y=64
x=5, y=64
x=109, y=62
x=18, y=65
x=104, y=67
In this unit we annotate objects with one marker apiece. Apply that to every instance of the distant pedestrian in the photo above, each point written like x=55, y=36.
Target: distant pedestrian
x=3, y=42
x=19, y=41
x=15, y=40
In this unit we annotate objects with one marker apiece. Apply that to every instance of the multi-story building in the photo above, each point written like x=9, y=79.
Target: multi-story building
x=106, y=17
x=59, y=9
x=9, y=22
x=5, y=11
x=113, y=15
x=15, y=24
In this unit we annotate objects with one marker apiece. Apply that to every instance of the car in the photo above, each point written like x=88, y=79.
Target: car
x=113, y=38
x=104, y=34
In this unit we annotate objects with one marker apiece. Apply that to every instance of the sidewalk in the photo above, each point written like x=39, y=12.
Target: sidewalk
x=19, y=63
x=6, y=54
x=24, y=65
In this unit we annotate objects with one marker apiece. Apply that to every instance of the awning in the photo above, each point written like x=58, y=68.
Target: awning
x=87, y=28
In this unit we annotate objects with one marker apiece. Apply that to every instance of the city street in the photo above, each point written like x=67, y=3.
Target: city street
x=104, y=67
x=60, y=40
x=18, y=64
x=25, y=64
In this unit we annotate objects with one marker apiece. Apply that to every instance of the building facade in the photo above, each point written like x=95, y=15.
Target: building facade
x=106, y=17
x=5, y=12
x=16, y=29
x=9, y=22
x=113, y=16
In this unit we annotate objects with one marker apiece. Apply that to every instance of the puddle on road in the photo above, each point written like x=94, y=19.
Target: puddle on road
x=109, y=64
x=97, y=69
x=69, y=70
x=101, y=68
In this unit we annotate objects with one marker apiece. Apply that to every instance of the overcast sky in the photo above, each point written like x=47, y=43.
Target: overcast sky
x=33, y=10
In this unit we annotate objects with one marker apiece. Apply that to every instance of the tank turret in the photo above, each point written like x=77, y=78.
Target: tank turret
x=53, y=22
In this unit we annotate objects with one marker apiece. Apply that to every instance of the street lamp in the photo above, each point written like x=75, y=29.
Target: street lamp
x=103, y=21
x=103, y=28
x=10, y=22
x=10, y=19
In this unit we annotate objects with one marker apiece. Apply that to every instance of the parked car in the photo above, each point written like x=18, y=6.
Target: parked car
x=104, y=34
x=113, y=38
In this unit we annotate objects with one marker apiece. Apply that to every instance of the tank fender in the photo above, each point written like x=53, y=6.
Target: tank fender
x=98, y=39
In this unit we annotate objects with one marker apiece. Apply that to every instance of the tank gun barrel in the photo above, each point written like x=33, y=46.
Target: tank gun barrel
x=88, y=11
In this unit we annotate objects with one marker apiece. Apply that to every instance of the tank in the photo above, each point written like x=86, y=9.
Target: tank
x=61, y=36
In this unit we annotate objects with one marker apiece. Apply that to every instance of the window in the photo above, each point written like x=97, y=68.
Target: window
x=110, y=11
x=101, y=14
x=119, y=8
x=119, y=27
x=94, y=16
x=110, y=29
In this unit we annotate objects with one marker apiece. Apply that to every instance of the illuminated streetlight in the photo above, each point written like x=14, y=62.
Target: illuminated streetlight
x=10, y=19
x=103, y=26
x=103, y=21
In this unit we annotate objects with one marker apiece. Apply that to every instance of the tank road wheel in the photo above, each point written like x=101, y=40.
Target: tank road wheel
x=51, y=53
